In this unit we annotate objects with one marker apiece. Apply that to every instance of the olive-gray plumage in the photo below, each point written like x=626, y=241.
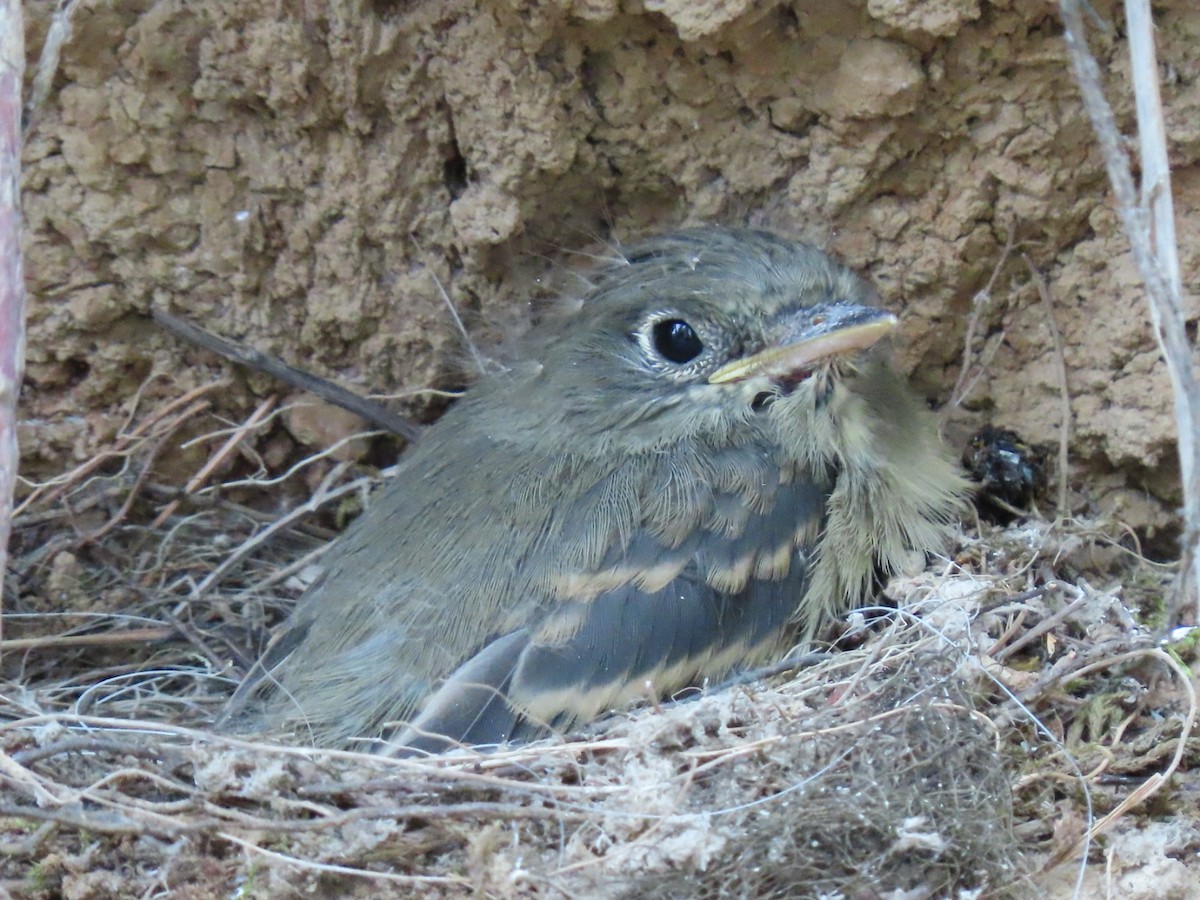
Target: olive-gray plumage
x=697, y=467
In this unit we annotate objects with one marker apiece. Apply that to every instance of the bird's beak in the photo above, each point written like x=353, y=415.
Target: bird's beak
x=802, y=340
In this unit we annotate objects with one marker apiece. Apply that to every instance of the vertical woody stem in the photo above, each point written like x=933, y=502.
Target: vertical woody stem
x=1149, y=224
x=12, y=282
x=1167, y=308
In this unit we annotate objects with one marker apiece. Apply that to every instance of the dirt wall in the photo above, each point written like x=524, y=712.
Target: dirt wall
x=302, y=176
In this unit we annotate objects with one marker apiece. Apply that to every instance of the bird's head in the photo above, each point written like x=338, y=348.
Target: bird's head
x=702, y=333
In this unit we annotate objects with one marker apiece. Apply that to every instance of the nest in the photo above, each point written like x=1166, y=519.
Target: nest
x=1000, y=721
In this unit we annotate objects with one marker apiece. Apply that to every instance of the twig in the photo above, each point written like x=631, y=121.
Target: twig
x=1157, y=200
x=284, y=573
x=298, y=378
x=1064, y=395
x=204, y=502
x=336, y=818
x=1153, y=248
x=978, y=302
x=312, y=866
x=131, y=495
x=1155, y=782
x=215, y=460
x=1152, y=137
x=57, y=35
x=19, y=777
x=320, y=497
x=125, y=821
x=50, y=491
x=32, y=845
x=1047, y=624
x=1050, y=587
x=258, y=481
x=108, y=639
x=196, y=639
x=12, y=277
x=1071, y=666
x=90, y=744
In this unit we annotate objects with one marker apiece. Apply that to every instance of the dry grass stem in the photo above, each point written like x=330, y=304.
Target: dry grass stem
x=12, y=265
x=1148, y=222
x=963, y=387
x=57, y=36
x=1064, y=393
x=217, y=459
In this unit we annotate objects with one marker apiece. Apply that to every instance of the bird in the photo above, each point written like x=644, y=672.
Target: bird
x=692, y=472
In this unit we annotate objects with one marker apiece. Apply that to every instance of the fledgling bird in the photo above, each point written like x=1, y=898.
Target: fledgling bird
x=682, y=479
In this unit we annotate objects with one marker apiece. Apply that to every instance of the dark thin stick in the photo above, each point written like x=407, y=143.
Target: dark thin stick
x=305, y=381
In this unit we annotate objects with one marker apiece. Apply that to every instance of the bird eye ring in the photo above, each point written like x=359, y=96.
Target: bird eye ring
x=675, y=341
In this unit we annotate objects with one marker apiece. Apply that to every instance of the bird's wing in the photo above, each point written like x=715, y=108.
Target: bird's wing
x=649, y=621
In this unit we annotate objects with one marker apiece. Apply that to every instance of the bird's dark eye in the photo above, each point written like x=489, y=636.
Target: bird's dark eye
x=675, y=341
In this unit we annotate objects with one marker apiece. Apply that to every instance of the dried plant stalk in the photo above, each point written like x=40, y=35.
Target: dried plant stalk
x=12, y=279
x=1149, y=224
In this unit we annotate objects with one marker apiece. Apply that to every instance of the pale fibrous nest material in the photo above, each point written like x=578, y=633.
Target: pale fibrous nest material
x=985, y=723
